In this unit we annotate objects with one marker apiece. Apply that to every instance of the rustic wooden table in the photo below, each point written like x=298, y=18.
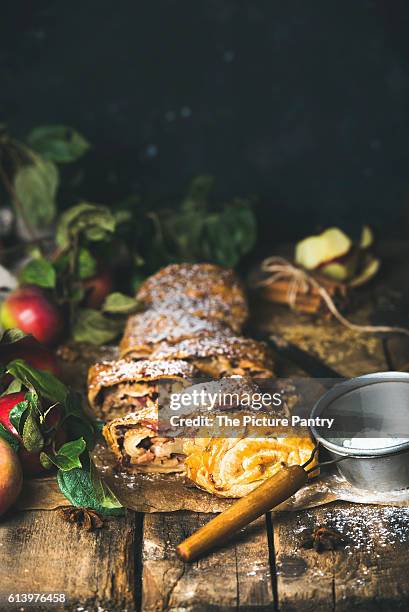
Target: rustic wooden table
x=130, y=564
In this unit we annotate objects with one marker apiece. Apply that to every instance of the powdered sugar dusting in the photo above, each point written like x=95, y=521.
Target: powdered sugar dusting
x=233, y=347
x=153, y=326
x=205, y=290
x=365, y=530
x=108, y=373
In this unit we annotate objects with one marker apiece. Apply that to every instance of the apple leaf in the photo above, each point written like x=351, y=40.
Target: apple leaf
x=118, y=303
x=78, y=488
x=32, y=437
x=45, y=461
x=93, y=221
x=76, y=421
x=39, y=272
x=18, y=414
x=199, y=231
x=87, y=264
x=36, y=187
x=14, y=387
x=13, y=335
x=8, y=437
x=68, y=456
x=43, y=383
x=58, y=143
x=103, y=493
x=93, y=327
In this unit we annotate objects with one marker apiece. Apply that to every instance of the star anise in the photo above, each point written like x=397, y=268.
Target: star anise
x=323, y=538
x=83, y=517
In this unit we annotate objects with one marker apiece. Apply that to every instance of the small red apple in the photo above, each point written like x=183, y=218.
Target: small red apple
x=40, y=358
x=11, y=476
x=30, y=309
x=97, y=288
x=30, y=461
x=33, y=352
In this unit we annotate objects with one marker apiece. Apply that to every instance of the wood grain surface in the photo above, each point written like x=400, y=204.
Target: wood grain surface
x=235, y=577
x=368, y=574
x=42, y=553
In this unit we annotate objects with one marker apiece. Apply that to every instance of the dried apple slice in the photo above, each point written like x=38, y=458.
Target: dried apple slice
x=369, y=270
x=366, y=238
x=316, y=250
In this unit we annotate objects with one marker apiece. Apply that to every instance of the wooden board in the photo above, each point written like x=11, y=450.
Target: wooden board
x=41, y=553
x=235, y=577
x=367, y=574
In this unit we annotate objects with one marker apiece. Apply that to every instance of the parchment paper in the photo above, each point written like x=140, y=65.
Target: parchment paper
x=171, y=492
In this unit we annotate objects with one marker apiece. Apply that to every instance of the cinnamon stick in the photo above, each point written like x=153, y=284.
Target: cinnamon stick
x=272, y=492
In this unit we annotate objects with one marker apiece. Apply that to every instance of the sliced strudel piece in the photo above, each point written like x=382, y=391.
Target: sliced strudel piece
x=116, y=388
x=135, y=442
x=233, y=467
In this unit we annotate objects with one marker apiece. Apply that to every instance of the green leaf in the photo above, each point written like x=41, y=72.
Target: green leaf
x=9, y=438
x=14, y=387
x=36, y=187
x=198, y=193
x=76, y=421
x=81, y=427
x=199, y=231
x=118, y=303
x=93, y=221
x=44, y=383
x=18, y=414
x=68, y=456
x=13, y=335
x=45, y=461
x=34, y=402
x=32, y=438
x=103, y=494
x=39, y=272
x=93, y=327
x=87, y=264
x=58, y=143
x=78, y=488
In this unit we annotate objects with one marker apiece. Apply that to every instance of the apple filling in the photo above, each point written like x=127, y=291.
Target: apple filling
x=128, y=397
x=219, y=366
x=141, y=447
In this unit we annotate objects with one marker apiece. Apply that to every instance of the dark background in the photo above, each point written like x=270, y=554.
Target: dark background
x=303, y=104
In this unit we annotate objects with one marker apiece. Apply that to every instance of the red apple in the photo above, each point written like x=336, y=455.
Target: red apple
x=33, y=352
x=11, y=476
x=97, y=288
x=30, y=309
x=41, y=358
x=30, y=461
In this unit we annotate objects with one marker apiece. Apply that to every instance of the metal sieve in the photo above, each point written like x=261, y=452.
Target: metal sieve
x=371, y=411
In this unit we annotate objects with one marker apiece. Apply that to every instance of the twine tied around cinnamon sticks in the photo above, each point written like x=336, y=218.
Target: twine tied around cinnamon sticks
x=299, y=280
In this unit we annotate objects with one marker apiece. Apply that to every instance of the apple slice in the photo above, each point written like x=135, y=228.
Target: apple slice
x=313, y=251
x=366, y=238
x=369, y=270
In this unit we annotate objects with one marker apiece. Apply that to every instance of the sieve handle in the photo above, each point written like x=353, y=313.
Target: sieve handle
x=271, y=493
